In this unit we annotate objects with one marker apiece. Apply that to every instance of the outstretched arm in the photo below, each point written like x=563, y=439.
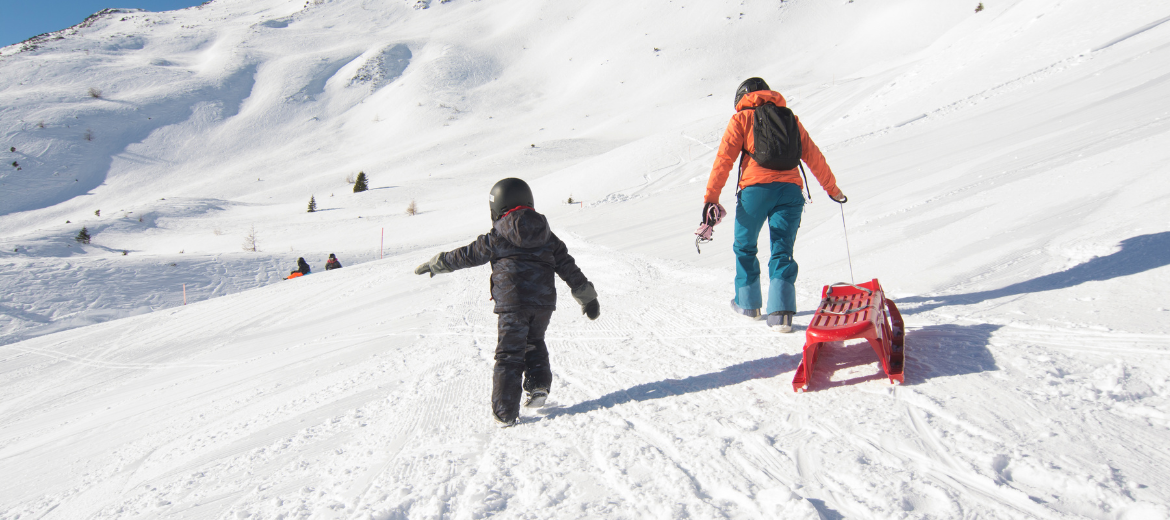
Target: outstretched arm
x=470, y=255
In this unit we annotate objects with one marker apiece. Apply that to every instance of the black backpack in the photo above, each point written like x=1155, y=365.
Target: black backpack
x=777, y=140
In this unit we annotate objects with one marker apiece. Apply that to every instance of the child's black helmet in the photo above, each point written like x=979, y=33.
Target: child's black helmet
x=507, y=194
x=749, y=85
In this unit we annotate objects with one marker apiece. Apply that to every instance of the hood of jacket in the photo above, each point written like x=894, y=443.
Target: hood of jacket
x=759, y=97
x=524, y=228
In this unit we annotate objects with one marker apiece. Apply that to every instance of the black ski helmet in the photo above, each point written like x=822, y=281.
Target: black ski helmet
x=507, y=194
x=749, y=85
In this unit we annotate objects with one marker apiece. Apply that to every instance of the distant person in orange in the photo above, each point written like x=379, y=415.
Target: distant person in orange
x=770, y=143
x=301, y=270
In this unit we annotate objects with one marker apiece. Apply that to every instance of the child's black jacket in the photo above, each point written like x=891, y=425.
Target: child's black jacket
x=524, y=254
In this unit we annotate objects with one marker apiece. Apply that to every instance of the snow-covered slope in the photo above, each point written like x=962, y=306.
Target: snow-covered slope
x=1007, y=183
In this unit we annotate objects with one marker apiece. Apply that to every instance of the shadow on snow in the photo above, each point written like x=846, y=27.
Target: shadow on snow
x=932, y=351
x=1137, y=255
x=729, y=376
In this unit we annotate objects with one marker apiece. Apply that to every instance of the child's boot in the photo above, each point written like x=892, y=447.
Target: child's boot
x=504, y=423
x=537, y=374
x=536, y=398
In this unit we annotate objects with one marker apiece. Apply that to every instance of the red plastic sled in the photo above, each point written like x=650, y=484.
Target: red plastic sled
x=848, y=312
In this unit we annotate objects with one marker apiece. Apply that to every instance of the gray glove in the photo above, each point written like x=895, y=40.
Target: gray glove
x=586, y=296
x=434, y=266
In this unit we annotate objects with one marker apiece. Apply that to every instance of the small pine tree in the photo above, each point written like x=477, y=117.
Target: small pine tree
x=979, y=7
x=412, y=208
x=97, y=213
x=251, y=243
x=82, y=236
x=312, y=204
x=360, y=185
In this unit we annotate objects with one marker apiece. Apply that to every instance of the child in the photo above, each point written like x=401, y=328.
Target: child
x=524, y=254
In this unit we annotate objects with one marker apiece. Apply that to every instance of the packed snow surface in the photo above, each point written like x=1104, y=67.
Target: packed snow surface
x=1007, y=179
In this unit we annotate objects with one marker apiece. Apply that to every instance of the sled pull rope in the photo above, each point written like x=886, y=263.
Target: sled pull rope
x=847, y=253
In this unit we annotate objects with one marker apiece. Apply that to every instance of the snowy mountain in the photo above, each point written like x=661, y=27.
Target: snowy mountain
x=1006, y=171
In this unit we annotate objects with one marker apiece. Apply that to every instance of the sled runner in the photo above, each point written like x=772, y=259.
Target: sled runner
x=848, y=312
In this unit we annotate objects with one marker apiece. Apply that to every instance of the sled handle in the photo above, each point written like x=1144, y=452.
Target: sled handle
x=846, y=284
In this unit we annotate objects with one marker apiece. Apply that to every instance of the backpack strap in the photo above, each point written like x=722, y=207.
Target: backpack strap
x=743, y=157
x=805, y=177
x=738, y=179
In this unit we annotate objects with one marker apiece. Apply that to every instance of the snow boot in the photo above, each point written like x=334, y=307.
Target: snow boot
x=537, y=374
x=536, y=398
x=504, y=422
x=751, y=313
x=781, y=319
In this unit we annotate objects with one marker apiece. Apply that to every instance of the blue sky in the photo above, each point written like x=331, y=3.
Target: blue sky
x=23, y=19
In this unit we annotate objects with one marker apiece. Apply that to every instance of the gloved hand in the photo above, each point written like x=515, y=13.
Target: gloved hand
x=840, y=198
x=586, y=296
x=592, y=309
x=434, y=266
x=713, y=213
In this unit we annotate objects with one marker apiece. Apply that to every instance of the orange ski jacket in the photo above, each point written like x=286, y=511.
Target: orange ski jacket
x=739, y=136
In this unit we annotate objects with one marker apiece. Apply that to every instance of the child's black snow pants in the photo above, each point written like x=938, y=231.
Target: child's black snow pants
x=521, y=360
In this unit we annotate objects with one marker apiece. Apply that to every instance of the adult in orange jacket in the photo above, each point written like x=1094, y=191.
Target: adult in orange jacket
x=774, y=196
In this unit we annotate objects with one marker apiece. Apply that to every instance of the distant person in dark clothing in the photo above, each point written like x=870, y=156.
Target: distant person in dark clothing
x=301, y=270
x=332, y=263
x=524, y=255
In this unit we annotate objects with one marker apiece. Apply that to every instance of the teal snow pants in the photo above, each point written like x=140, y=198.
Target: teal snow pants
x=780, y=204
